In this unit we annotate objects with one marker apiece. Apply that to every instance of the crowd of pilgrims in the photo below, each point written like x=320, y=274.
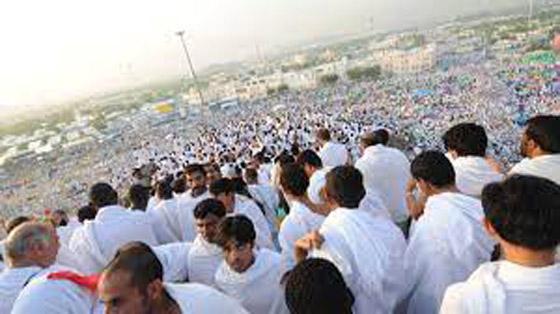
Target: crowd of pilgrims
x=307, y=231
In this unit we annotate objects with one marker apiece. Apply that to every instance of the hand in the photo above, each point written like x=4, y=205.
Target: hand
x=312, y=240
x=411, y=186
x=494, y=164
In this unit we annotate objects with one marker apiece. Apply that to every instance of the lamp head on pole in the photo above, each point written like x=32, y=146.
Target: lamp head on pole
x=180, y=33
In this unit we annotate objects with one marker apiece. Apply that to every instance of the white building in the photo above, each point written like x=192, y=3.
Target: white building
x=407, y=61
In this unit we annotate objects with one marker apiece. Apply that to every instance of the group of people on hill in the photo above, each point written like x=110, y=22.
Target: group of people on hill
x=308, y=231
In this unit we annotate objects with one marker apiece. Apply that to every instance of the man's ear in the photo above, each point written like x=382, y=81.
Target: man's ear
x=490, y=229
x=155, y=289
x=453, y=153
x=532, y=146
x=424, y=187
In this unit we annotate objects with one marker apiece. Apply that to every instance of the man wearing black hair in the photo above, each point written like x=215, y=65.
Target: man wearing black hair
x=332, y=154
x=303, y=217
x=138, y=197
x=313, y=167
x=224, y=190
x=522, y=214
x=196, y=179
x=97, y=240
x=317, y=286
x=540, y=145
x=466, y=146
x=267, y=195
x=205, y=255
x=367, y=249
x=386, y=171
x=247, y=274
x=164, y=215
x=448, y=240
x=132, y=283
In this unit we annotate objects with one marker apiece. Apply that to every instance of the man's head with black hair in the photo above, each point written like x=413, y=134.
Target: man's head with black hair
x=541, y=137
x=522, y=211
x=310, y=161
x=466, y=139
x=317, y=286
x=86, y=212
x=284, y=158
x=212, y=172
x=179, y=185
x=195, y=178
x=344, y=187
x=322, y=136
x=132, y=282
x=251, y=176
x=164, y=191
x=377, y=137
x=236, y=237
x=293, y=180
x=138, y=197
x=102, y=194
x=224, y=190
x=207, y=215
x=433, y=172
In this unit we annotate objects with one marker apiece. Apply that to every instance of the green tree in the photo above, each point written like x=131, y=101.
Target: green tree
x=329, y=79
x=367, y=73
x=283, y=88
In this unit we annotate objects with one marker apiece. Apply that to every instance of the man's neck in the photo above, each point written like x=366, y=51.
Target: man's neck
x=167, y=305
x=447, y=189
x=538, y=153
x=528, y=258
x=24, y=264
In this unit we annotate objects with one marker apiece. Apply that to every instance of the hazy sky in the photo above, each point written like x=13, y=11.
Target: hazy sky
x=58, y=49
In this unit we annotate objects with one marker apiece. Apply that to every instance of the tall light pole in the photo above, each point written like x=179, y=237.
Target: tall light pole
x=181, y=35
x=530, y=13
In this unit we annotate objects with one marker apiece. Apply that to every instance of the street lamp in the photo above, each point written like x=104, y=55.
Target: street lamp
x=181, y=35
x=530, y=16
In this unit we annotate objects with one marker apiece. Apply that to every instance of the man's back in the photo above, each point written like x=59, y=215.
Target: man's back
x=12, y=281
x=386, y=171
x=545, y=166
x=268, y=197
x=368, y=251
x=504, y=287
x=448, y=243
x=333, y=154
x=51, y=296
x=300, y=221
x=473, y=173
x=164, y=221
x=98, y=240
x=249, y=208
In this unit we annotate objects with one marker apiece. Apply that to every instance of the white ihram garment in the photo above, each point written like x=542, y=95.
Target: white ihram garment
x=369, y=252
x=256, y=288
x=447, y=245
x=506, y=288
